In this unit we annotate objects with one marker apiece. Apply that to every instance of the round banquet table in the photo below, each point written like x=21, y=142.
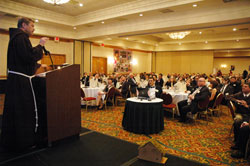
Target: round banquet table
x=143, y=116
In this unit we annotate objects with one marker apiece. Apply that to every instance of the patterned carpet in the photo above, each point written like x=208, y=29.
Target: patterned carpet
x=209, y=144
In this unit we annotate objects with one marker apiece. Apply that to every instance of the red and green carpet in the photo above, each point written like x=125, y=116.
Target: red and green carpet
x=206, y=143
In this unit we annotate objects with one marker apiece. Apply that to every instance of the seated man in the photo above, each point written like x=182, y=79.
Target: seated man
x=226, y=89
x=123, y=88
x=241, y=126
x=191, y=105
x=104, y=92
x=154, y=90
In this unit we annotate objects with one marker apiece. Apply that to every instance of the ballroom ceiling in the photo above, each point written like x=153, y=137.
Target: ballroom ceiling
x=119, y=21
x=72, y=8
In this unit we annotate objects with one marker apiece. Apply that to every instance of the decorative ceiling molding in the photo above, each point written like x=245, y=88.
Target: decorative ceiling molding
x=129, y=8
x=19, y=9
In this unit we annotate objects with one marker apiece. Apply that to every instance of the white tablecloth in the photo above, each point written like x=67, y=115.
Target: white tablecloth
x=135, y=99
x=177, y=96
x=92, y=92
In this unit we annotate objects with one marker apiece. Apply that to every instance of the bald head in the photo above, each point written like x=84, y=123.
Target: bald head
x=201, y=82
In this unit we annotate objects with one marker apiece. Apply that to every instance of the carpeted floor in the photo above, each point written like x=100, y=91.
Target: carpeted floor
x=205, y=143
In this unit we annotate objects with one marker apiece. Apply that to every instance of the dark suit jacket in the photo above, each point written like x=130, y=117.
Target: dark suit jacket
x=159, y=82
x=168, y=83
x=201, y=96
x=85, y=80
x=125, y=89
x=228, y=91
x=236, y=86
x=239, y=108
x=133, y=85
x=159, y=88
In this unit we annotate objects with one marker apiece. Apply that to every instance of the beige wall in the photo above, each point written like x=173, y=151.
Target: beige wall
x=143, y=59
x=184, y=62
x=240, y=64
x=54, y=48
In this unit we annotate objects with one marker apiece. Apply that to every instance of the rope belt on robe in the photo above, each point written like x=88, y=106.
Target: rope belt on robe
x=33, y=93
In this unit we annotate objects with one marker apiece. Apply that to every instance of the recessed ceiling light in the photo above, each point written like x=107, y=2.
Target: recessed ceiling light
x=36, y=20
x=206, y=42
x=80, y=4
x=200, y=33
x=74, y=28
x=102, y=22
x=143, y=41
x=127, y=38
x=141, y=14
x=156, y=45
x=109, y=38
x=195, y=5
x=179, y=43
x=234, y=29
x=237, y=40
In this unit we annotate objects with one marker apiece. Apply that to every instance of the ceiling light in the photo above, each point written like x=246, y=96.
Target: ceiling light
x=200, y=33
x=109, y=38
x=36, y=20
x=234, y=29
x=102, y=22
x=74, y=28
x=206, y=42
x=178, y=35
x=127, y=38
x=56, y=2
x=80, y=4
x=179, y=43
x=143, y=41
x=194, y=5
x=237, y=40
x=141, y=14
x=156, y=45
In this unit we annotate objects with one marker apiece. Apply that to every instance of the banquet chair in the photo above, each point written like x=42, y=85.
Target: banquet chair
x=121, y=98
x=216, y=106
x=109, y=97
x=87, y=100
x=202, y=109
x=232, y=109
x=167, y=102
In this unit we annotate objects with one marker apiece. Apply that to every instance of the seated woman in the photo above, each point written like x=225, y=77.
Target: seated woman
x=104, y=92
x=214, y=92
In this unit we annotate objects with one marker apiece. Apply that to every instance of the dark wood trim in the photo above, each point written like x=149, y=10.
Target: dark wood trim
x=6, y=32
x=116, y=47
x=2, y=76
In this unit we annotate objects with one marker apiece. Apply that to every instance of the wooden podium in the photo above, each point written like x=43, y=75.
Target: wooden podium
x=58, y=100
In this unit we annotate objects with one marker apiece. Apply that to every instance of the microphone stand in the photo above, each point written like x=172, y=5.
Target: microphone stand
x=48, y=53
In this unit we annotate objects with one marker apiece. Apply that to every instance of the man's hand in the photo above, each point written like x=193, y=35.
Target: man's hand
x=244, y=124
x=43, y=40
x=243, y=103
x=191, y=97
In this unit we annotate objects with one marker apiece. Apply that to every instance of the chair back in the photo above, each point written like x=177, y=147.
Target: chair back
x=218, y=100
x=111, y=93
x=167, y=98
x=202, y=105
x=82, y=93
x=232, y=109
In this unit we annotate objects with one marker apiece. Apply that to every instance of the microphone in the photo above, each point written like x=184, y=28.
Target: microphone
x=45, y=51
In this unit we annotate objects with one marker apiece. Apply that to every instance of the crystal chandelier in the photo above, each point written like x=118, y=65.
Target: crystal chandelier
x=178, y=35
x=56, y=2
